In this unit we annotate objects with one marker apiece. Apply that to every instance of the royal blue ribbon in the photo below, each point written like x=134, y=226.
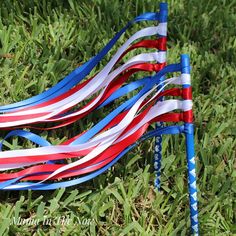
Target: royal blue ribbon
x=51, y=186
x=79, y=73
x=147, y=83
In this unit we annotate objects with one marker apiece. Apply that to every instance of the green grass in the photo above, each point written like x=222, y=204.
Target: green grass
x=42, y=41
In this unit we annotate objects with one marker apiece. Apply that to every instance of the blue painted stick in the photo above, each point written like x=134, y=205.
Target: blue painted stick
x=158, y=140
x=189, y=135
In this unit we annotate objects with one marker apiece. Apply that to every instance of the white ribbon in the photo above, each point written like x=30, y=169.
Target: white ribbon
x=105, y=139
x=94, y=85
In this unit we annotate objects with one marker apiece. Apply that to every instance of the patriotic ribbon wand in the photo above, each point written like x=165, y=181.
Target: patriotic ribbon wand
x=98, y=149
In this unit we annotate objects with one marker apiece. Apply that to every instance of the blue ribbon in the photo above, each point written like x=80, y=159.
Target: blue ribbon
x=51, y=186
x=147, y=83
x=79, y=73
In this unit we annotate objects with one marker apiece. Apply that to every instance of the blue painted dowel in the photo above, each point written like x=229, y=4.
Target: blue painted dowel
x=158, y=139
x=189, y=135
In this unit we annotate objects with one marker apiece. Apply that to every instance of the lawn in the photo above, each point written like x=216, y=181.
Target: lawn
x=42, y=41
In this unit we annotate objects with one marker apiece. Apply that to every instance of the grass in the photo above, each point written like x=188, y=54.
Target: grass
x=42, y=41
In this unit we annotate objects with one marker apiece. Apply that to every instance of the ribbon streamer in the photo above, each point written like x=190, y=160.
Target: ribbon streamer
x=94, y=151
x=99, y=146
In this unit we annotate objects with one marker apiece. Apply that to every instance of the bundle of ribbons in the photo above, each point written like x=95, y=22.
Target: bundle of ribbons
x=89, y=154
